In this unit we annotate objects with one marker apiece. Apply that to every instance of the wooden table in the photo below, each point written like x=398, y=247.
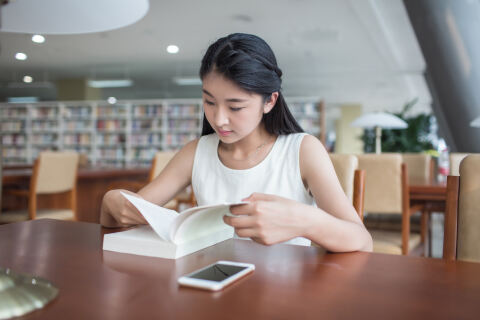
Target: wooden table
x=432, y=198
x=290, y=282
x=92, y=184
x=432, y=195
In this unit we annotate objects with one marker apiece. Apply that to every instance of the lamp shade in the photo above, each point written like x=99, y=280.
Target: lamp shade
x=70, y=16
x=475, y=123
x=379, y=119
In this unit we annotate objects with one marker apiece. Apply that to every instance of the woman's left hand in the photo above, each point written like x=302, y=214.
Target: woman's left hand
x=267, y=219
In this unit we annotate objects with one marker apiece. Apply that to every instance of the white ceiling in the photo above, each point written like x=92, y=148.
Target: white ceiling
x=343, y=51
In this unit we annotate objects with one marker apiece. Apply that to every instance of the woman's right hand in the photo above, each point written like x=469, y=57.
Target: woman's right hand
x=117, y=211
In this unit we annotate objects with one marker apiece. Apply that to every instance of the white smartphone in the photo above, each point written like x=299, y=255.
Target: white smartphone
x=217, y=275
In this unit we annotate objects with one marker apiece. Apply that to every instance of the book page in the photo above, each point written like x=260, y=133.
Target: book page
x=160, y=219
x=199, y=221
x=181, y=227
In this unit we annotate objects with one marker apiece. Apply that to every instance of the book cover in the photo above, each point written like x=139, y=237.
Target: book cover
x=170, y=234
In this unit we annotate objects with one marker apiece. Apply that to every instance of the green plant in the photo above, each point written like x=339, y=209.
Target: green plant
x=416, y=138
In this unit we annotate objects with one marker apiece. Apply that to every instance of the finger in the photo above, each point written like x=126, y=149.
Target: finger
x=240, y=222
x=134, y=214
x=256, y=196
x=242, y=209
x=246, y=232
x=127, y=221
x=139, y=219
x=258, y=240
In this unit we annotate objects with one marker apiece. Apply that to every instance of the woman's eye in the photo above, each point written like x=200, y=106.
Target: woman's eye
x=235, y=109
x=210, y=103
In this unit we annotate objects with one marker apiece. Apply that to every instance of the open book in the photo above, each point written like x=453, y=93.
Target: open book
x=171, y=234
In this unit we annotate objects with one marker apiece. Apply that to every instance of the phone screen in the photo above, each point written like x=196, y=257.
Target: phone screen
x=217, y=272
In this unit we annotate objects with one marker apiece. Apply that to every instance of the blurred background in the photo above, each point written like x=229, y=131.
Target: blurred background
x=340, y=59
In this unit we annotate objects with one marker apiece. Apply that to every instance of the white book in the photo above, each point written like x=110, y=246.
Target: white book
x=171, y=234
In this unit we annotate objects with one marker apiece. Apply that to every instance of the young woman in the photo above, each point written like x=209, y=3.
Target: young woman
x=252, y=149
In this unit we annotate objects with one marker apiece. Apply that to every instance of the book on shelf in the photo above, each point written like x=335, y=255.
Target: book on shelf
x=170, y=234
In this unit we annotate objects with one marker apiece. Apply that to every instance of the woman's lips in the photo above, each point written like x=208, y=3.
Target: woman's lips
x=224, y=133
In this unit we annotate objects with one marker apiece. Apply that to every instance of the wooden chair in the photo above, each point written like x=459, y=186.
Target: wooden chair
x=351, y=179
x=462, y=214
x=1, y=173
x=159, y=162
x=455, y=159
x=421, y=170
x=386, y=193
x=53, y=173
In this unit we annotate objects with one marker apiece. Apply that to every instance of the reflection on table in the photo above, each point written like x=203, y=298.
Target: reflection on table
x=290, y=282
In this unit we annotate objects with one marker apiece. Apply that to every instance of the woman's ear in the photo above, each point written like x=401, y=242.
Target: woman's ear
x=270, y=103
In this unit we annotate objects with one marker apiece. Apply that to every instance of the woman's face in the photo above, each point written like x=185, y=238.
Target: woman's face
x=231, y=111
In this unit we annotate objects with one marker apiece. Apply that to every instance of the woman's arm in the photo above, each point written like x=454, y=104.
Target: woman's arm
x=116, y=211
x=334, y=225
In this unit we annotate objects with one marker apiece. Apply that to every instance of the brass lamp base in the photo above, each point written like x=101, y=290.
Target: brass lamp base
x=21, y=294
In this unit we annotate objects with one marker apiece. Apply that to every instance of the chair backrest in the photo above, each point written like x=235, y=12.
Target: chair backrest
x=351, y=179
x=345, y=166
x=383, y=182
x=55, y=172
x=455, y=159
x=462, y=215
x=159, y=162
x=420, y=168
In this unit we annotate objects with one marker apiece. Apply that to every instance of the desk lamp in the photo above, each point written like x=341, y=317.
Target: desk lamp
x=21, y=293
x=379, y=121
x=70, y=17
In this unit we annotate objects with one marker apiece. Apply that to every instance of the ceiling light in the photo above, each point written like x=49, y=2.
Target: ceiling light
x=37, y=38
x=110, y=83
x=187, y=81
x=475, y=123
x=27, y=79
x=71, y=17
x=20, y=56
x=22, y=99
x=112, y=100
x=172, y=49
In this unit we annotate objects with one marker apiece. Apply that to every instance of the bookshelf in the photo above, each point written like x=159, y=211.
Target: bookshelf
x=127, y=133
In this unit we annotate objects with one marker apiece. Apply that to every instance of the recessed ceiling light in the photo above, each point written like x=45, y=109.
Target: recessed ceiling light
x=22, y=99
x=20, y=56
x=172, y=49
x=37, y=38
x=27, y=79
x=187, y=81
x=110, y=83
x=112, y=100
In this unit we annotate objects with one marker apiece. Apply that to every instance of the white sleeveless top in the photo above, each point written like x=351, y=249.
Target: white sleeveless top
x=278, y=174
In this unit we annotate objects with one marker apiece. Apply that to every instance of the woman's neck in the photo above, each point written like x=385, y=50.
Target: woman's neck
x=249, y=151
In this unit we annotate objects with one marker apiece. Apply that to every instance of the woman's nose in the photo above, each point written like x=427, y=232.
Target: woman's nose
x=221, y=117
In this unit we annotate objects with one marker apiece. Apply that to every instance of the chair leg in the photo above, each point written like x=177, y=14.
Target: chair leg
x=32, y=207
x=425, y=232
x=424, y=225
x=405, y=232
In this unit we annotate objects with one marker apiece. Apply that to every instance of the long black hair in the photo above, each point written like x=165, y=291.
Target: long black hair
x=248, y=61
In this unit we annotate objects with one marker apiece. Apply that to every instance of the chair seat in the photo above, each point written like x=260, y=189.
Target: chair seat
x=22, y=215
x=390, y=222
x=13, y=216
x=59, y=214
x=391, y=242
